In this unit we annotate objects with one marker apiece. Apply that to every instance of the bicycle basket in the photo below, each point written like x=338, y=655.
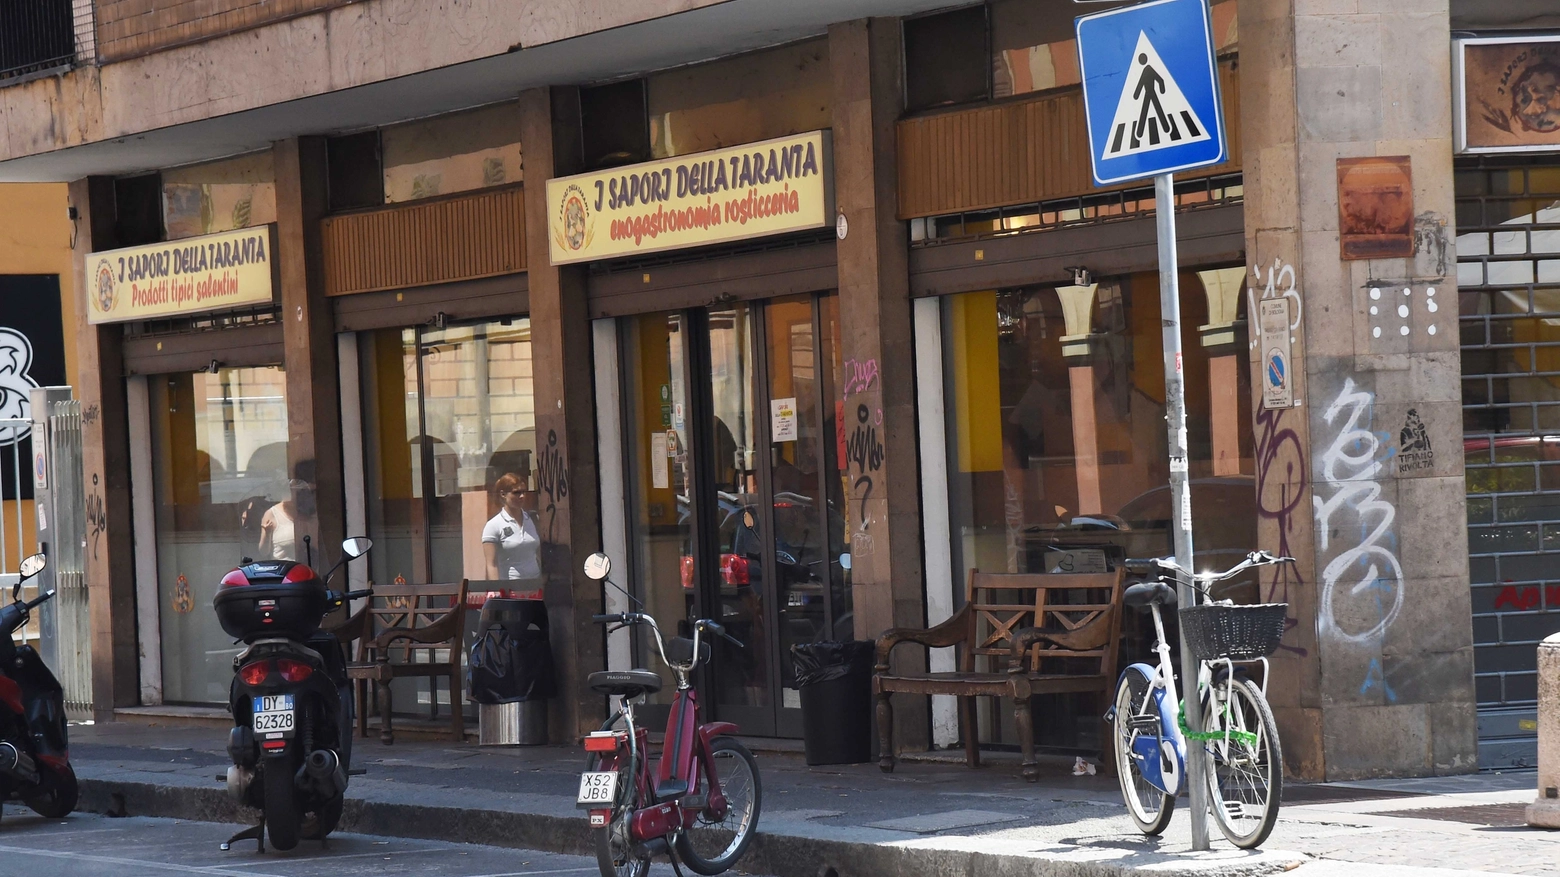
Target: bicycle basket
x=1239, y=633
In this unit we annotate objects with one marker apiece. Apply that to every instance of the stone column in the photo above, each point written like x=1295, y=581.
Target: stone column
x=309, y=348
x=1363, y=480
x=568, y=496
x=878, y=346
x=105, y=458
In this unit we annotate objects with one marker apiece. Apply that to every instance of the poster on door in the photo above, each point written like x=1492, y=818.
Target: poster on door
x=782, y=420
x=659, y=478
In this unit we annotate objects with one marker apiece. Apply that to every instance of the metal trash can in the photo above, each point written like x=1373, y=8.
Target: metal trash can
x=835, y=682
x=523, y=723
x=510, y=673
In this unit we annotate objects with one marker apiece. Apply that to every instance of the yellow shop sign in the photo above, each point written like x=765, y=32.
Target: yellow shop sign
x=750, y=191
x=213, y=272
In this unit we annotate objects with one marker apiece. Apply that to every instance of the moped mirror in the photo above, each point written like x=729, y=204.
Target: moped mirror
x=845, y=560
x=32, y=565
x=356, y=546
x=597, y=566
x=749, y=521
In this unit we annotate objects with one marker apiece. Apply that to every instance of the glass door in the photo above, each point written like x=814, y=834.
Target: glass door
x=734, y=491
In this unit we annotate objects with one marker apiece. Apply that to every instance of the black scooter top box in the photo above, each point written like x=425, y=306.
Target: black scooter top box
x=271, y=598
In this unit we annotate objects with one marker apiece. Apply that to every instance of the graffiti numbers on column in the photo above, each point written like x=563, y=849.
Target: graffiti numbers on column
x=1282, y=479
x=1362, y=586
x=552, y=478
x=97, y=516
x=1279, y=283
x=864, y=452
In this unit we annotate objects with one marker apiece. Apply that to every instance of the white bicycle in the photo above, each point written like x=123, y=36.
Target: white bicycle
x=1150, y=734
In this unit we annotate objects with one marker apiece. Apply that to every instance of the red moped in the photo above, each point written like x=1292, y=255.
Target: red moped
x=700, y=804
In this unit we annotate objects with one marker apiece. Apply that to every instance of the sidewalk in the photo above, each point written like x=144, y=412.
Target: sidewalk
x=927, y=818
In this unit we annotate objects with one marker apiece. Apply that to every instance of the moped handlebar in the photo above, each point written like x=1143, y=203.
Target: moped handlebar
x=39, y=600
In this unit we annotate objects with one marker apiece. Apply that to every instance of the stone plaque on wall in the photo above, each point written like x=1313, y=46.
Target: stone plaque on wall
x=1375, y=207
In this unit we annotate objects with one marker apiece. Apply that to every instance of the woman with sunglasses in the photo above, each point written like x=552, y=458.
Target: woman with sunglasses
x=510, y=541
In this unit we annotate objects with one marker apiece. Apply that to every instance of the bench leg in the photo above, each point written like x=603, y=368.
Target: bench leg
x=360, y=691
x=1107, y=741
x=1024, y=726
x=386, y=734
x=885, y=720
x=969, y=729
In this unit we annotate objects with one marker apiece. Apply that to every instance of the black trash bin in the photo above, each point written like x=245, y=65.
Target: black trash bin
x=510, y=672
x=835, y=682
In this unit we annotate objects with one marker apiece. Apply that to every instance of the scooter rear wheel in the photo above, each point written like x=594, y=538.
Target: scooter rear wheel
x=281, y=801
x=57, y=793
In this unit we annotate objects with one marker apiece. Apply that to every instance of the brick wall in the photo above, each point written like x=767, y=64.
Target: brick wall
x=130, y=28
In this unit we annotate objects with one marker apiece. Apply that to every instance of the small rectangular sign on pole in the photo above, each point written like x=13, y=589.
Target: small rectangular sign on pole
x=1151, y=99
x=1277, y=384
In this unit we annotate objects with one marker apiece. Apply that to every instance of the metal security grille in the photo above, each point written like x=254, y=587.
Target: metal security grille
x=1508, y=279
x=35, y=35
x=66, y=620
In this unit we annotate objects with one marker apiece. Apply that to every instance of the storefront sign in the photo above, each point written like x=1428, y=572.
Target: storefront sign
x=755, y=190
x=188, y=276
x=1277, y=382
x=1508, y=94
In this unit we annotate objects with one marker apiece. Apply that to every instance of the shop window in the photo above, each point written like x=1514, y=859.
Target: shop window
x=757, y=96
x=453, y=153
x=222, y=491
x=614, y=128
x=356, y=176
x=1057, y=456
x=946, y=58
x=138, y=210
x=219, y=196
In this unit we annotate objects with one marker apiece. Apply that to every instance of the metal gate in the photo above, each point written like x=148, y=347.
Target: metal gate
x=1508, y=279
x=62, y=532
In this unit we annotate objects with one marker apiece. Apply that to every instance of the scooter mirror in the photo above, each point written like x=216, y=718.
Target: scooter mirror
x=597, y=566
x=845, y=560
x=356, y=547
x=32, y=565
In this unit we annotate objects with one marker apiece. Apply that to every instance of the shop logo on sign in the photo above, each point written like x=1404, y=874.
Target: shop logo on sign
x=105, y=286
x=16, y=385
x=575, y=230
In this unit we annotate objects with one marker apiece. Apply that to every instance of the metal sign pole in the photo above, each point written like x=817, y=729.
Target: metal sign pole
x=1180, y=490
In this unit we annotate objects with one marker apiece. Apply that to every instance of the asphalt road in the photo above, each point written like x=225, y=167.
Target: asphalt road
x=86, y=845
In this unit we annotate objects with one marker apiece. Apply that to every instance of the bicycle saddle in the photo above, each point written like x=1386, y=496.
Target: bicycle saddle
x=627, y=683
x=1145, y=594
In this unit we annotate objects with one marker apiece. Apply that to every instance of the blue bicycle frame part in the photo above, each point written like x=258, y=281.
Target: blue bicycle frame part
x=1147, y=749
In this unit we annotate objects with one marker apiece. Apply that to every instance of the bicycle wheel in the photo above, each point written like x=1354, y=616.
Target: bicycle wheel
x=718, y=840
x=1148, y=806
x=614, y=848
x=1246, y=768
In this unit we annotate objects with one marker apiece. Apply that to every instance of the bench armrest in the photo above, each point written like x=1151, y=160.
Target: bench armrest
x=949, y=633
x=1084, y=638
x=442, y=631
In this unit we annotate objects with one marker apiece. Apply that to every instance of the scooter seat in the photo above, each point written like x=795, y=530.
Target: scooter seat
x=625, y=683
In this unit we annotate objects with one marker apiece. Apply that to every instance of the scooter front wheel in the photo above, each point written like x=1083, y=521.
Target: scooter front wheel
x=281, y=801
x=57, y=793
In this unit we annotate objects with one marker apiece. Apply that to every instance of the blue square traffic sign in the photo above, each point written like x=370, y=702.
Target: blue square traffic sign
x=1150, y=90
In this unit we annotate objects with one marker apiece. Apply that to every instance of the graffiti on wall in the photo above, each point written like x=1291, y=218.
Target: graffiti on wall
x=1282, y=480
x=1362, y=582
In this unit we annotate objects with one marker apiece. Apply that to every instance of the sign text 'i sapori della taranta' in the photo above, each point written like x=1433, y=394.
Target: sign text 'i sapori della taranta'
x=212, y=272
x=749, y=191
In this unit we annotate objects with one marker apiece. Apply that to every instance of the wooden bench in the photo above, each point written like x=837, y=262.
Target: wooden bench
x=1017, y=635
x=400, y=634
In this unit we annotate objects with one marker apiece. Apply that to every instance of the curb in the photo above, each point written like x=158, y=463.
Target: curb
x=780, y=855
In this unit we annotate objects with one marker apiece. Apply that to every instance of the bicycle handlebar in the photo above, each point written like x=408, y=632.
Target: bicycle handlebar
x=699, y=626
x=1147, y=565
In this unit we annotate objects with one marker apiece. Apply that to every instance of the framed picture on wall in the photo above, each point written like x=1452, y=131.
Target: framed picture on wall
x=1508, y=93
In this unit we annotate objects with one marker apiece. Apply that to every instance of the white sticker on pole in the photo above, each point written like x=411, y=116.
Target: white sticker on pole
x=1179, y=465
x=1186, y=508
x=1277, y=379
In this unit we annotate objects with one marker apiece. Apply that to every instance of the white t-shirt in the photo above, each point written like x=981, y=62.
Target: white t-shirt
x=518, y=544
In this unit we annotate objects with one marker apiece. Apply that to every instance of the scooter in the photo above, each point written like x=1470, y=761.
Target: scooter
x=34, y=752
x=291, y=701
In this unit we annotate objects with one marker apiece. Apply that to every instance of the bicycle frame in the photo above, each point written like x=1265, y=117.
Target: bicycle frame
x=685, y=752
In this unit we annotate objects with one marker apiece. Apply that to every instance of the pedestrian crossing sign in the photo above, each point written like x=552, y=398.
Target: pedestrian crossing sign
x=1150, y=90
